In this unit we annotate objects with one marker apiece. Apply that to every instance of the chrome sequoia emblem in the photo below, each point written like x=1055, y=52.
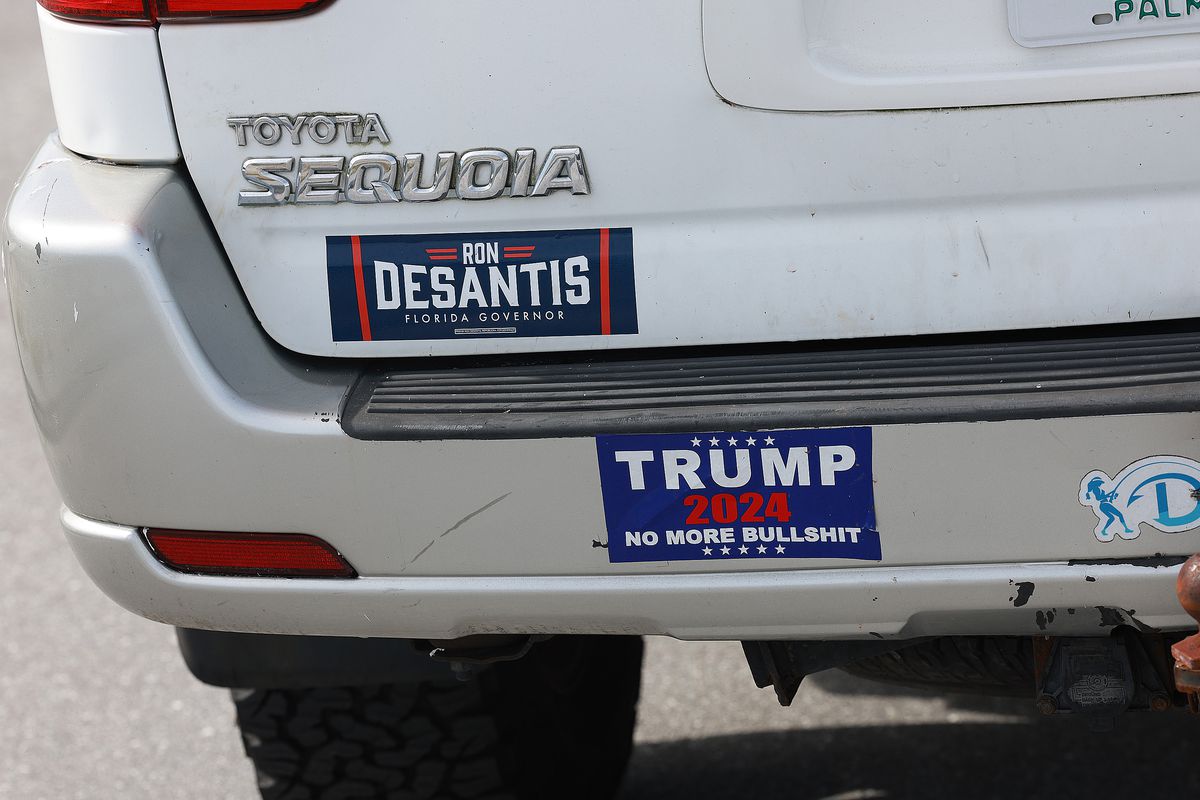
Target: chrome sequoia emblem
x=382, y=177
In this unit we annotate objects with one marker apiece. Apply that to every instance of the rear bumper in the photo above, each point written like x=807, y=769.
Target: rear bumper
x=901, y=602
x=161, y=403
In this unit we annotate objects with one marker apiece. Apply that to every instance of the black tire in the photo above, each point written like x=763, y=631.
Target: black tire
x=990, y=665
x=557, y=723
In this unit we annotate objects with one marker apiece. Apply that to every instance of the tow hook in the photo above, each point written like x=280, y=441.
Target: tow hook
x=470, y=654
x=1187, y=652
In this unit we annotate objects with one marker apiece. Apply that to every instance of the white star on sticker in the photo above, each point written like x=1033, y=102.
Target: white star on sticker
x=779, y=548
x=743, y=549
x=695, y=442
x=713, y=441
x=725, y=550
x=732, y=441
x=770, y=440
x=707, y=551
x=762, y=548
x=750, y=440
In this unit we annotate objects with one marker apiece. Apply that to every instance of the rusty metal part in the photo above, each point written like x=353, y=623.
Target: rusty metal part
x=1187, y=652
x=1043, y=651
x=1102, y=676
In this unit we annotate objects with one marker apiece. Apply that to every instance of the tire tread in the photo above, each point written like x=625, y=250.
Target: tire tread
x=515, y=731
x=996, y=665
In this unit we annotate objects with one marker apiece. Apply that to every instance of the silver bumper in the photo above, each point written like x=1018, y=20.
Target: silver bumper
x=903, y=602
x=161, y=403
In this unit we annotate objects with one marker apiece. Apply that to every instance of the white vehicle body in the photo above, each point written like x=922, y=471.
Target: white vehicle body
x=748, y=226
x=792, y=173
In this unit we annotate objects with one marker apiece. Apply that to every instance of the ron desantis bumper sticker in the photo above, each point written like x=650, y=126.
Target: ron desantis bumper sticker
x=721, y=496
x=482, y=285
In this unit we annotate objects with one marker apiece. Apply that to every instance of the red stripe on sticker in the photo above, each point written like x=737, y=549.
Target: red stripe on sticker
x=432, y=250
x=605, y=311
x=360, y=287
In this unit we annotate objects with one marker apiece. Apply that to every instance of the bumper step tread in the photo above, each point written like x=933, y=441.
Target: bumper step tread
x=1143, y=369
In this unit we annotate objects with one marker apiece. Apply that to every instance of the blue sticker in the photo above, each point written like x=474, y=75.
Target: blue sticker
x=1160, y=491
x=722, y=496
x=482, y=285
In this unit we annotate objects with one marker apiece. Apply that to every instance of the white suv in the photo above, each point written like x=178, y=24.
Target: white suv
x=862, y=333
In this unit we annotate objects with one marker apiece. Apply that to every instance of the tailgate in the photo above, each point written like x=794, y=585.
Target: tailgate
x=412, y=177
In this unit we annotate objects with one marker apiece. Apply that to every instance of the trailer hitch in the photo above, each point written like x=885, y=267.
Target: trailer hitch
x=1187, y=652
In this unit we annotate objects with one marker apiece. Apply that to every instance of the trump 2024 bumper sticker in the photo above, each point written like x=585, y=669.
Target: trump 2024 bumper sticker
x=482, y=285
x=727, y=496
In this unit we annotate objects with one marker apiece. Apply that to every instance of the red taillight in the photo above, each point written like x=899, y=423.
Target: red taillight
x=290, y=555
x=101, y=10
x=152, y=10
x=235, y=8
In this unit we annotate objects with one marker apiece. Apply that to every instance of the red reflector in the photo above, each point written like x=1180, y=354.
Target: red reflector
x=293, y=555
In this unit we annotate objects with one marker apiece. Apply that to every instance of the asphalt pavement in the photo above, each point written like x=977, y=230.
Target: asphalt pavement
x=96, y=703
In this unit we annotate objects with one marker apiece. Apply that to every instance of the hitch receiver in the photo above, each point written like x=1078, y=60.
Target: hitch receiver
x=1187, y=652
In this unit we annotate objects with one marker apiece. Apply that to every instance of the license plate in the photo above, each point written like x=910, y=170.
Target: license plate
x=1044, y=23
x=734, y=496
